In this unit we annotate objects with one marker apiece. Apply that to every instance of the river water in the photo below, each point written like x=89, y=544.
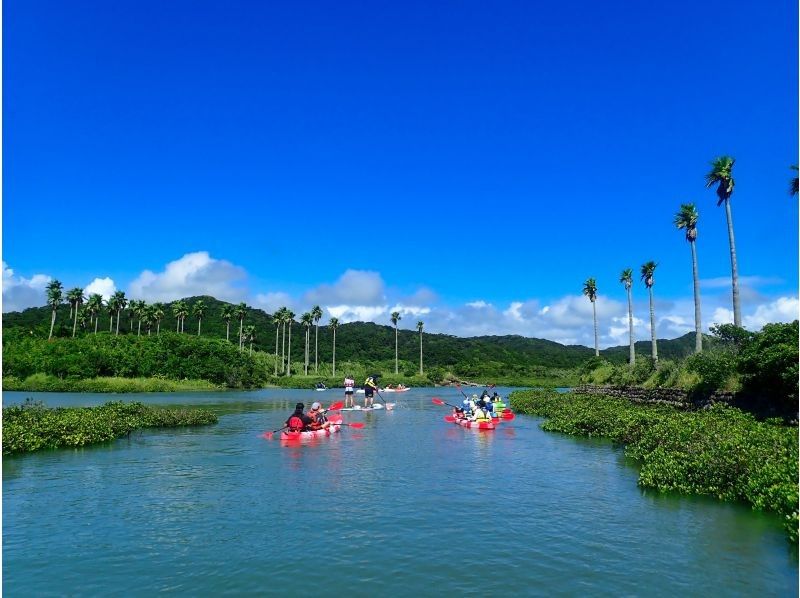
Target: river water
x=408, y=506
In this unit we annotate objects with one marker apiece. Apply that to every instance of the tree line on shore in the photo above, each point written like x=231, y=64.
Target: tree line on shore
x=721, y=176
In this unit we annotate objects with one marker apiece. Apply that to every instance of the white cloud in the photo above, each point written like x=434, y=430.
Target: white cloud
x=783, y=309
x=193, y=274
x=103, y=286
x=479, y=304
x=271, y=302
x=21, y=293
x=354, y=287
x=722, y=282
x=358, y=313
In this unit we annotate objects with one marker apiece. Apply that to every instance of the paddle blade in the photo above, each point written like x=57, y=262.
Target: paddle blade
x=507, y=416
x=437, y=401
x=356, y=425
x=267, y=435
x=336, y=406
x=450, y=418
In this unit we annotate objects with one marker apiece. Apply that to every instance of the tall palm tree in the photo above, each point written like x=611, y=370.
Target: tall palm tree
x=284, y=319
x=307, y=320
x=250, y=335
x=111, y=305
x=289, y=321
x=626, y=278
x=199, y=310
x=227, y=315
x=794, y=182
x=83, y=317
x=240, y=312
x=121, y=302
x=647, y=271
x=158, y=315
x=590, y=290
x=395, y=319
x=721, y=174
x=55, y=295
x=94, y=304
x=686, y=218
x=316, y=313
x=139, y=310
x=184, y=313
x=333, y=324
x=277, y=317
x=148, y=317
x=177, y=308
x=420, y=326
x=75, y=298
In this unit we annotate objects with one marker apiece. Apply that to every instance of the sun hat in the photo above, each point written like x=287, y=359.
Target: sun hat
x=315, y=405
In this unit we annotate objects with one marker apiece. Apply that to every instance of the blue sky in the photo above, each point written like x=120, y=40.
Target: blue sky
x=456, y=159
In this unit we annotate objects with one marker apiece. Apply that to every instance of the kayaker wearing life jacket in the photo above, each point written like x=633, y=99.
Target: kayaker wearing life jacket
x=317, y=416
x=298, y=421
x=369, y=390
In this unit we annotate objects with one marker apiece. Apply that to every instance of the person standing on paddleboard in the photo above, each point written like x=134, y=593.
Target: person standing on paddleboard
x=369, y=391
x=349, y=383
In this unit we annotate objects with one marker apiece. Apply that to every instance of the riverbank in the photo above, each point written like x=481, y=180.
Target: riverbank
x=46, y=383
x=720, y=451
x=32, y=427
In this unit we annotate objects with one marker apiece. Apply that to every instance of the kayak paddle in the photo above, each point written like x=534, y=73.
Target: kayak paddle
x=268, y=435
x=336, y=406
x=438, y=401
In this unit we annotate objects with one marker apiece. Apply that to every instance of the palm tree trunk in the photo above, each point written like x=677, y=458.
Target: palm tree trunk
x=596, y=344
x=654, y=346
x=395, y=348
x=251, y=347
x=277, y=334
x=228, y=330
x=241, y=324
x=289, y=353
x=95, y=324
x=420, y=353
x=316, y=349
x=334, y=351
x=119, y=312
x=111, y=322
x=52, y=323
x=632, y=357
x=75, y=323
x=139, y=327
x=198, y=326
x=158, y=328
x=308, y=341
x=737, y=310
x=178, y=325
x=698, y=334
x=283, y=346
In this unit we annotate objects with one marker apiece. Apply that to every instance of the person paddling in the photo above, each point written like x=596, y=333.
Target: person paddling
x=369, y=390
x=298, y=421
x=317, y=417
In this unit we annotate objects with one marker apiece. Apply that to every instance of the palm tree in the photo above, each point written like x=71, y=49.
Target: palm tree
x=277, y=317
x=112, y=309
x=647, y=271
x=289, y=320
x=395, y=319
x=121, y=302
x=590, y=290
x=240, y=312
x=686, y=218
x=420, y=325
x=148, y=317
x=55, y=294
x=94, y=304
x=250, y=335
x=158, y=315
x=316, y=313
x=75, y=298
x=626, y=278
x=139, y=310
x=333, y=324
x=794, y=183
x=227, y=314
x=307, y=320
x=199, y=310
x=83, y=318
x=176, y=311
x=721, y=174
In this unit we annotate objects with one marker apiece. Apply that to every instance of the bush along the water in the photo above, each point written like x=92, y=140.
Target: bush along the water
x=47, y=383
x=32, y=426
x=721, y=451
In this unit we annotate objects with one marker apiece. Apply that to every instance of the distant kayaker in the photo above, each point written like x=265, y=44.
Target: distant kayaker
x=369, y=390
x=298, y=421
x=317, y=417
x=349, y=384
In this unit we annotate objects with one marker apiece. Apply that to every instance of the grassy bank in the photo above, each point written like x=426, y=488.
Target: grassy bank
x=721, y=452
x=32, y=427
x=46, y=383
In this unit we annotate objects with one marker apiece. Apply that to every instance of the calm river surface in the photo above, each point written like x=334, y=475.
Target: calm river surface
x=408, y=506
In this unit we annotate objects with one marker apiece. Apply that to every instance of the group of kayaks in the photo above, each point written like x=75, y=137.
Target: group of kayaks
x=499, y=414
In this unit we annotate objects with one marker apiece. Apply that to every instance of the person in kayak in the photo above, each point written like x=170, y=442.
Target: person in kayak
x=317, y=417
x=349, y=383
x=298, y=421
x=369, y=391
x=479, y=414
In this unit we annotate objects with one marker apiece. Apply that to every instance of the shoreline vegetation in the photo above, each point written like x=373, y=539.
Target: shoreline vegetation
x=721, y=451
x=32, y=426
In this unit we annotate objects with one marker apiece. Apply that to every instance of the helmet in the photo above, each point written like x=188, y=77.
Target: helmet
x=315, y=405
x=474, y=396
x=299, y=406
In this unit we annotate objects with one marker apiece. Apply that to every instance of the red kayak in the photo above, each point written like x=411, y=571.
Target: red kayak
x=468, y=423
x=336, y=424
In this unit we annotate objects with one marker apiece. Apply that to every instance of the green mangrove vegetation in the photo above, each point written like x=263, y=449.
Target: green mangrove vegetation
x=32, y=427
x=721, y=451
